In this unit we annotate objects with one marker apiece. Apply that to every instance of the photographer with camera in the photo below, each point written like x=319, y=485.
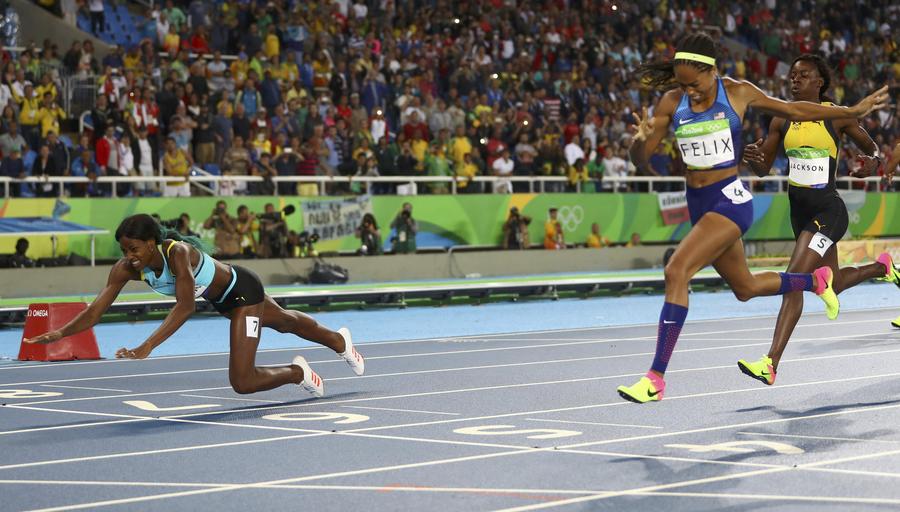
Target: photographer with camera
x=515, y=231
x=246, y=226
x=273, y=232
x=227, y=238
x=301, y=245
x=182, y=225
x=405, y=227
x=369, y=236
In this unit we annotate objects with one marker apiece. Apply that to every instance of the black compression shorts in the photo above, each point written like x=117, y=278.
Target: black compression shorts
x=818, y=211
x=245, y=289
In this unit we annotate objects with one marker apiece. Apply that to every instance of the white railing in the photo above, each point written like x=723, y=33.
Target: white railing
x=535, y=183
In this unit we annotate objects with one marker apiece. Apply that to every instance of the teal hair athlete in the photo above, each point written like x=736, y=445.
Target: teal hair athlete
x=178, y=266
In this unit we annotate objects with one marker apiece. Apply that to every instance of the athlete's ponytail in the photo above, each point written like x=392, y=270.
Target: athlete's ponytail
x=145, y=227
x=824, y=72
x=697, y=50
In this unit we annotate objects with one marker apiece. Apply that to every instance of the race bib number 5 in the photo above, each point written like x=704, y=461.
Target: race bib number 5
x=736, y=192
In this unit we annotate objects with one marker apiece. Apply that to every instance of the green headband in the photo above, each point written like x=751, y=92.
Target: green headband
x=696, y=57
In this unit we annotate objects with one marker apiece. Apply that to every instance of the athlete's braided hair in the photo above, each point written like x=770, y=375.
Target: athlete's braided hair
x=145, y=227
x=661, y=75
x=824, y=71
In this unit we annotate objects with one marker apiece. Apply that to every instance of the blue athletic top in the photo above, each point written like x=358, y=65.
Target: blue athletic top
x=165, y=283
x=711, y=139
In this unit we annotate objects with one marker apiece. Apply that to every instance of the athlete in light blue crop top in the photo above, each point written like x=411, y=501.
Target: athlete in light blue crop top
x=706, y=112
x=186, y=272
x=164, y=283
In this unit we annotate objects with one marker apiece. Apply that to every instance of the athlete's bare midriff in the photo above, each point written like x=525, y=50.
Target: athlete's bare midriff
x=697, y=179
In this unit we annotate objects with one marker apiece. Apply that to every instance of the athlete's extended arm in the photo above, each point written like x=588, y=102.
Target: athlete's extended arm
x=753, y=97
x=761, y=154
x=120, y=274
x=864, y=142
x=649, y=131
x=891, y=166
x=180, y=263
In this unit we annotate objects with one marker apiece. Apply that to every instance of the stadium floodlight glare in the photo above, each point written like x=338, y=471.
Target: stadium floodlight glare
x=456, y=20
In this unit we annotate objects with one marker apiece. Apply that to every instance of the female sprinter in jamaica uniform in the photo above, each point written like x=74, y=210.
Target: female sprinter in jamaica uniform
x=889, y=171
x=707, y=112
x=818, y=215
x=175, y=265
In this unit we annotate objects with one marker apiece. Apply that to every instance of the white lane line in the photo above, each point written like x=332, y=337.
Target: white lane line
x=684, y=335
x=818, y=438
x=525, y=493
x=83, y=387
x=401, y=410
x=773, y=497
x=235, y=399
x=68, y=427
x=593, y=423
x=108, y=483
x=157, y=452
x=494, y=366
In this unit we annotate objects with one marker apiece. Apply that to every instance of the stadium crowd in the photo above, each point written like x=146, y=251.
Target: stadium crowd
x=385, y=88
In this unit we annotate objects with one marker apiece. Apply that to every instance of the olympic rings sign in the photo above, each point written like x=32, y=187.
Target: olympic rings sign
x=570, y=217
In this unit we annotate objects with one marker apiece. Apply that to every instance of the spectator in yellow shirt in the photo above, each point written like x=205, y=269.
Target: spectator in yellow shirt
x=467, y=170
x=553, y=233
x=46, y=86
x=272, y=46
x=49, y=114
x=419, y=146
x=460, y=146
x=29, y=109
x=634, y=241
x=578, y=173
x=595, y=239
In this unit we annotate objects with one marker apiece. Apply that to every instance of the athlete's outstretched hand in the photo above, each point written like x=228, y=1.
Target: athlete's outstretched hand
x=48, y=337
x=141, y=352
x=875, y=101
x=868, y=165
x=643, y=125
x=753, y=154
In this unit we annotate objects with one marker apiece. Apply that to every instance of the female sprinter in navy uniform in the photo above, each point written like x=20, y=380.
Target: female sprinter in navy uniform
x=707, y=112
x=818, y=215
x=175, y=265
